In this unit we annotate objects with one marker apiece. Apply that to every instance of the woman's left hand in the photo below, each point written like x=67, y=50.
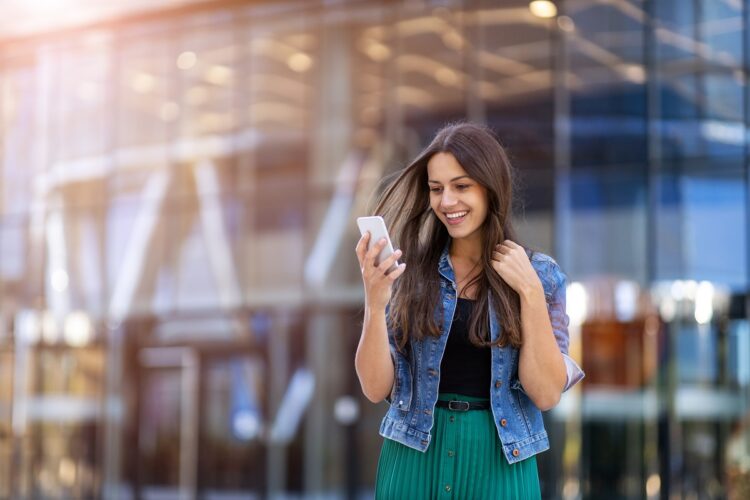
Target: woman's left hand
x=512, y=263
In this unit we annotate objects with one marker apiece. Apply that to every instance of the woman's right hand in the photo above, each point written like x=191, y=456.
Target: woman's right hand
x=377, y=280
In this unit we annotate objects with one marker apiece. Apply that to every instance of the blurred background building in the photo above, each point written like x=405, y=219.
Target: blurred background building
x=179, y=297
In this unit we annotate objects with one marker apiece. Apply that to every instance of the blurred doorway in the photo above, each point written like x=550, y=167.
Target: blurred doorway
x=199, y=423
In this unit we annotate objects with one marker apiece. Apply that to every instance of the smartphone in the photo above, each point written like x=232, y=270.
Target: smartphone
x=376, y=226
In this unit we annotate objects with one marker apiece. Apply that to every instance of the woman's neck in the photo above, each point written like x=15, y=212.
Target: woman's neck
x=465, y=256
x=466, y=249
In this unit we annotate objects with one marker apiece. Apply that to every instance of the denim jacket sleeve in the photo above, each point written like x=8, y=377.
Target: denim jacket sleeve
x=554, y=282
x=555, y=295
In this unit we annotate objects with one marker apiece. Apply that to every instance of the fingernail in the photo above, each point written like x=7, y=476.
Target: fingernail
x=398, y=252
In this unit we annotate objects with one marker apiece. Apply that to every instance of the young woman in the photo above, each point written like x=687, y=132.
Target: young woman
x=467, y=339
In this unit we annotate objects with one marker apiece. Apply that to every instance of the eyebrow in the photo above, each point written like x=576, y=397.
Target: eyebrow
x=452, y=180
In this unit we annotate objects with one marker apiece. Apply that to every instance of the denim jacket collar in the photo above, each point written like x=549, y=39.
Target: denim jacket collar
x=445, y=268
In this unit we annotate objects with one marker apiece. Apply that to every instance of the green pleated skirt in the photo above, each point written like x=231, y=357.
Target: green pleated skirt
x=463, y=461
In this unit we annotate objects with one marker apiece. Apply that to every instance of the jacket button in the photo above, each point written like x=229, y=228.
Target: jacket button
x=448, y=488
x=498, y=384
x=503, y=422
x=516, y=452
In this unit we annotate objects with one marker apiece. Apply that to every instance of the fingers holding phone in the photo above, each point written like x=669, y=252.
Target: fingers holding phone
x=361, y=249
x=391, y=268
x=377, y=261
x=378, y=277
x=367, y=251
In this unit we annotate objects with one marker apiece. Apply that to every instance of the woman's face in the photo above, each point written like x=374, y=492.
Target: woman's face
x=459, y=201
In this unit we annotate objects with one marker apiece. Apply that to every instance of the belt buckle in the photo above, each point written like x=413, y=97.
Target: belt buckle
x=463, y=405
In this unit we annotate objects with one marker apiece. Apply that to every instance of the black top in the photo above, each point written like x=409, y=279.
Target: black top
x=465, y=369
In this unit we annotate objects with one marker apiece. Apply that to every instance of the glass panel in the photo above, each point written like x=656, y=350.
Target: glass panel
x=235, y=422
x=721, y=30
x=75, y=86
x=13, y=246
x=159, y=434
x=143, y=85
x=699, y=120
x=6, y=419
x=691, y=243
x=138, y=281
x=430, y=81
x=674, y=42
x=607, y=76
x=514, y=80
x=75, y=277
x=142, y=88
x=62, y=423
x=608, y=211
x=21, y=148
x=199, y=251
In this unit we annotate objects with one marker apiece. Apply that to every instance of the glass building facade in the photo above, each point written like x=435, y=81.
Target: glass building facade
x=179, y=296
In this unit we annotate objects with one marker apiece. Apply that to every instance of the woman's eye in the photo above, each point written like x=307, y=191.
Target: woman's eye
x=463, y=186
x=435, y=190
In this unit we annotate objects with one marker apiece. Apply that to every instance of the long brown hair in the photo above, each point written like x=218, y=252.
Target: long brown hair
x=414, y=227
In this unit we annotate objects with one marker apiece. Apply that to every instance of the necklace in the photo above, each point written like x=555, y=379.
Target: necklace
x=465, y=280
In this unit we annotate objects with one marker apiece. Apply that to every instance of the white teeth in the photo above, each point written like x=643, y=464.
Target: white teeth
x=456, y=215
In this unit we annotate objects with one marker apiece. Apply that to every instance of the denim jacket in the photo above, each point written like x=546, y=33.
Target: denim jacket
x=417, y=373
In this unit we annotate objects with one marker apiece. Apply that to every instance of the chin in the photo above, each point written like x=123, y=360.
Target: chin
x=458, y=233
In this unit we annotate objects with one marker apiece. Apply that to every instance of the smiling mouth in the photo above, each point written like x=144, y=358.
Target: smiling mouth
x=456, y=217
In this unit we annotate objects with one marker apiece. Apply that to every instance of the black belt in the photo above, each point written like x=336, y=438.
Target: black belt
x=464, y=405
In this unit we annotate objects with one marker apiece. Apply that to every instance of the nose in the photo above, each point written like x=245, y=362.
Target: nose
x=447, y=200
